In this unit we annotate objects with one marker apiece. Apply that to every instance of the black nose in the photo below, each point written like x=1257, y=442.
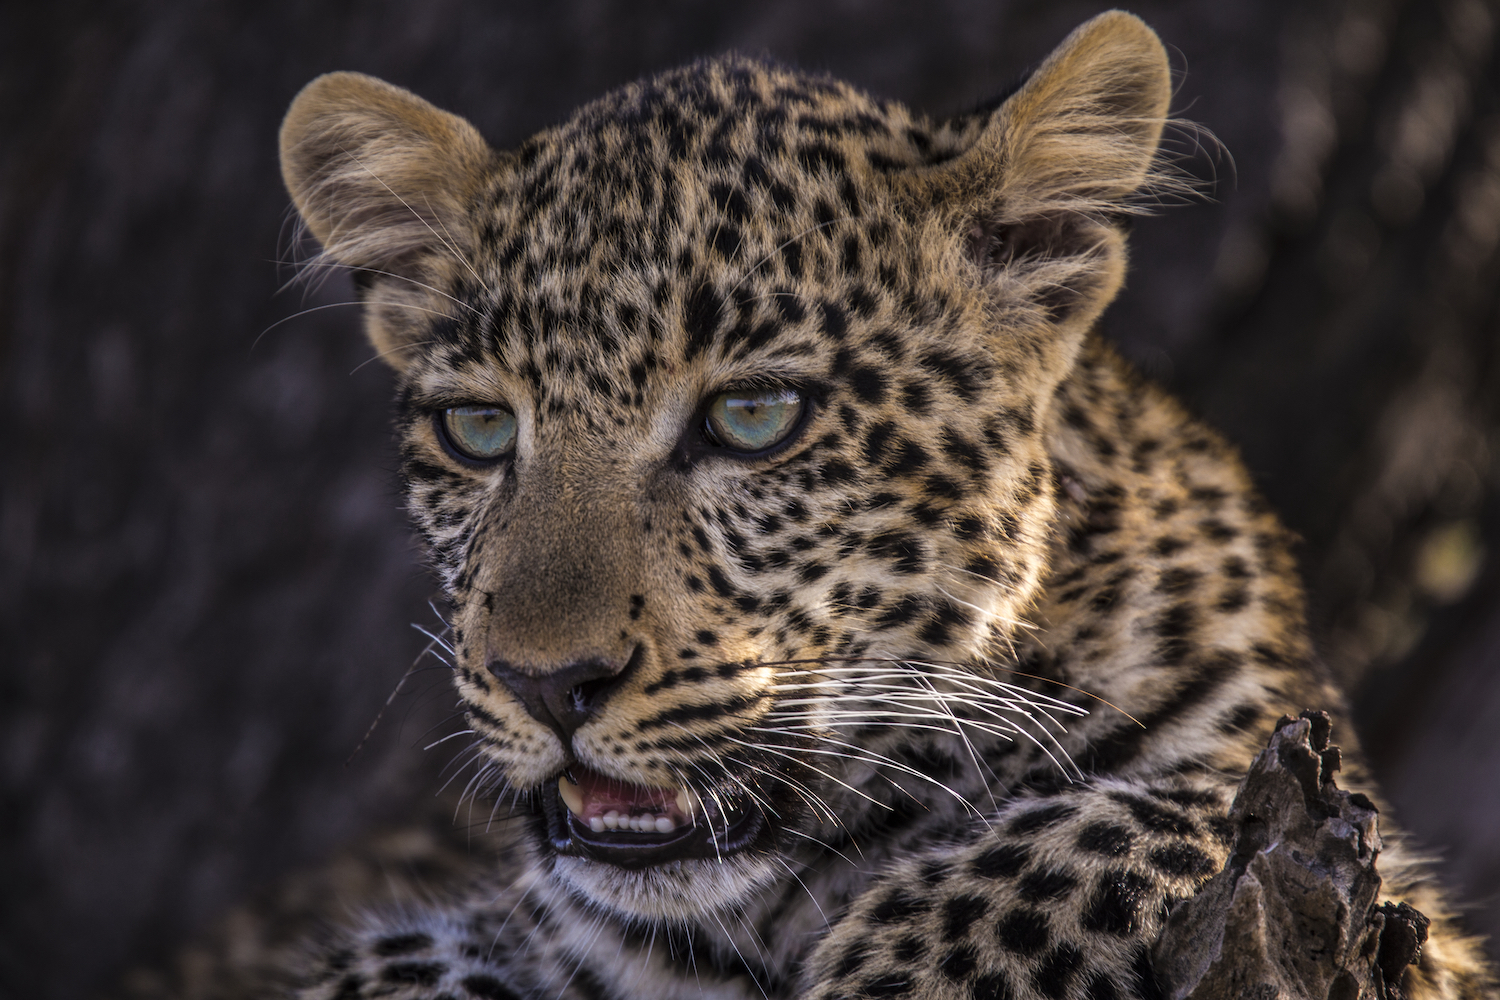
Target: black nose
x=563, y=699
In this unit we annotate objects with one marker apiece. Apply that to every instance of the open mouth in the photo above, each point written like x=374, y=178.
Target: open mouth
x=593, y=816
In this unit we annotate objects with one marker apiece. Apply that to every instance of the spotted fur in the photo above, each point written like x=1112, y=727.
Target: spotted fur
x=988, y=641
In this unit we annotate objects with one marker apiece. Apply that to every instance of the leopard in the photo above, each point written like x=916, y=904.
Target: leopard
x=835, y=614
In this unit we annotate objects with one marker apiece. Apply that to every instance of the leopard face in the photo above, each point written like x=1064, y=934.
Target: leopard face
x=722, y=410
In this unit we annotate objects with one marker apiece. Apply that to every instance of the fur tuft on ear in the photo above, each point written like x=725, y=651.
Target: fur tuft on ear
x=379, y=175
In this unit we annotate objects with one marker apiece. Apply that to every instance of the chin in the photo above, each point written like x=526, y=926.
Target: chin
x=675, y=891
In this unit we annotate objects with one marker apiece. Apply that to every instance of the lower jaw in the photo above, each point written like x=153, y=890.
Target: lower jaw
x=624, y=849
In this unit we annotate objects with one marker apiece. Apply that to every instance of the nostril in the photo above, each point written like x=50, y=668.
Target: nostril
x=564, y=698
x=591, y=694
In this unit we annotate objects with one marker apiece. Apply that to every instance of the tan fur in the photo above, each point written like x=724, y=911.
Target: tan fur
x=987, y=641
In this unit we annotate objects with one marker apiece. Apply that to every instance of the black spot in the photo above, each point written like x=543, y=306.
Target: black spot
x=1002, y=861
x=1146, y=986
x=402, y=944
x=1057, y=970
x=851, y=252
x=909, y=949
x=900, y=612
x=489, y=988
x=726, y=240
x=909, y=457
x=1175, y=626
x=720, y=583
x=420, y=973
x=1023, y=931
x=1116, y=903
x=960, y=912
x=889, y=985
x=1047, y=885
x=1183, y=860
x=1101, y=988
x=1177, y=580
x=958, y=963
x=1167, y=545
x=820, y=155
x=1234, y=599
x=991, y=986
x=852, y=960
x=1158, y=819
x=899, y=906
x=1234, y=566
x=868, y=383
x=876, y=441
x=915, y=397
x=701, y=318
x=1192, y=798
x=1108, y=839
x=791, y=256
x=1216, y=530
x=901, y=548
x=1040, y=819
x=789, y=306
x=824, y=214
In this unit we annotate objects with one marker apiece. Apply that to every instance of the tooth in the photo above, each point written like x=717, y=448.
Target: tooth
x=571, y=796
x=688, y=803
x=612, y=819
x=664, y=824
x=596, y=824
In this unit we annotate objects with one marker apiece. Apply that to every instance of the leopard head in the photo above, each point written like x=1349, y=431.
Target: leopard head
x=722, y=410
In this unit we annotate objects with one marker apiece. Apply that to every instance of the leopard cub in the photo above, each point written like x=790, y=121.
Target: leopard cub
x=835, y=614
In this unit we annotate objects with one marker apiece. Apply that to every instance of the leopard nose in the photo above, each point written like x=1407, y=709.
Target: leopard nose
x=562, y=699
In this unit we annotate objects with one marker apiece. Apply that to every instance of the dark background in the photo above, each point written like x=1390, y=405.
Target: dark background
x=205, y=581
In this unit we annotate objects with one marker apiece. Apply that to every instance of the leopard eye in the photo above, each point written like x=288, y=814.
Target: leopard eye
x=481, y=433
x=753, y=420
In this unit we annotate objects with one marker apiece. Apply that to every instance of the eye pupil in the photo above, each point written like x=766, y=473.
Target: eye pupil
x=481, y=433
x=754, y=420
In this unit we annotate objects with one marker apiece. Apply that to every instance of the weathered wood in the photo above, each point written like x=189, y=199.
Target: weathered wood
x=1294, y=912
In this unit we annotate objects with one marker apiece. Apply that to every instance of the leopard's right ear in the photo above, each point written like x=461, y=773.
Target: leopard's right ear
x=382, y=178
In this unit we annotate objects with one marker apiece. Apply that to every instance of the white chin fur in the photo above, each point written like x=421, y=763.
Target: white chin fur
x=678, y=890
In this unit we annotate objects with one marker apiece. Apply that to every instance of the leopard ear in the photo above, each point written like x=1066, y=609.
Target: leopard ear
x=1032, y=192
x=1080, y=135
x=381, y=177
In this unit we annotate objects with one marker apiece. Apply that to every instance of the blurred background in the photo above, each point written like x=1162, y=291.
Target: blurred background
x=206, y=584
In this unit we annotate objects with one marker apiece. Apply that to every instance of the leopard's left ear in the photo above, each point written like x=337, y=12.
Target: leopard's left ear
x=1036, y=184
x=1081, y=132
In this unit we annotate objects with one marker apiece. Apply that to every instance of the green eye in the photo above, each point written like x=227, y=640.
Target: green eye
x=482, y=433
x=753, y=419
